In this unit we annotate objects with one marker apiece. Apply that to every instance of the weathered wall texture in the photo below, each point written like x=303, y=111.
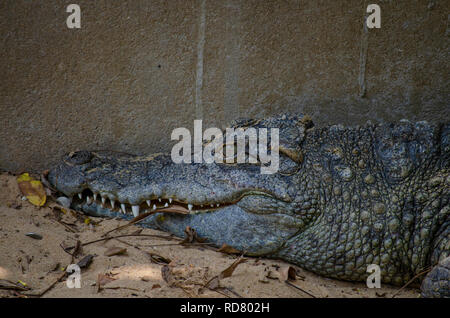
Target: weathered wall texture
x=138, y=69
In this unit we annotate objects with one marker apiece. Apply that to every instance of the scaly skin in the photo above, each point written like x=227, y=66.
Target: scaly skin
x=343, y=198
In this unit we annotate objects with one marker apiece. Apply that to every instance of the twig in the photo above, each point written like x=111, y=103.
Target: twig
x=75, y=252
x=173, y=244
x=233, y=292
x=48, y=288
x=133, y=221
x=411, y=280
x=142, y=217
x=12, y=286
x=72, y=257
x=66, y=226
x=220, y=292
x=124, y=235
x=43, y=177
x=295, y=286
x=119, y=287
x=188, y=293
x=129, y=244
x=64, y=248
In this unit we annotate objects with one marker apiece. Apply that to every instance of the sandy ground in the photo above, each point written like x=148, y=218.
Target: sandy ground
x=39, y=263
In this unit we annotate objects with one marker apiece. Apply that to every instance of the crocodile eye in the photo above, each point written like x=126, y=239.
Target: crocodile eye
x=78, y=157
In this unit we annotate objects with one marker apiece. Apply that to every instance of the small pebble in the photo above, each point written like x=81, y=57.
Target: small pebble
x=64, y=201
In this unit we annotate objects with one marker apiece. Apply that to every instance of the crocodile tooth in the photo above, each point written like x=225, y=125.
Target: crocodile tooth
x=95, y=196
x=212, y=205
x=148, y=202
x=190, y=207
x=113, y=203
x=201, y=205
x=135, y=209
x=217, y=205
x=166, y=205
x=88, y=200
x=80, y=195
x=103, y=200
x=154, y=207
x=159, y=199
x=122, y=206
x=170, y=200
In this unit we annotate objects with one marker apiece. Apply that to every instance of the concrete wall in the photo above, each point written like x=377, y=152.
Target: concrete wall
x=138, y=69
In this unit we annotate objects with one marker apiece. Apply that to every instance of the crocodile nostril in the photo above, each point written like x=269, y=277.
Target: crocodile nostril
x=79, y=157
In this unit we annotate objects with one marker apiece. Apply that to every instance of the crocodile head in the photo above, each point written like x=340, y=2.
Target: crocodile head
x=342, y=198
x=224, y=202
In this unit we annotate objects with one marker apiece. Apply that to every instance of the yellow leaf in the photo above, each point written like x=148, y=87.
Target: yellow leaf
x=87, y=220
x=22, y=283
x=24, y=177
x=32, y=189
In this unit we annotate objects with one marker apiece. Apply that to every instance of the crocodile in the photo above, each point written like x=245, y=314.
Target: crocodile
x=343, y=198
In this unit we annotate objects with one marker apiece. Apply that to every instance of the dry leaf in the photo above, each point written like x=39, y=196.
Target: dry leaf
x=115, y=251
x=158, y=259
x=191, y=236
x=166, y=274
x=229, y=271
x=227, y=249
x=22, y=283
x=102, y=280
x=6, y=284
x=137, y=232
x=174, y=263
x=214, y=282
x=77, y=249
x=186, y=277
x=85, y=261
x=287, y=273
x=156, y=286
x=32, y=189
x=48, y=187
